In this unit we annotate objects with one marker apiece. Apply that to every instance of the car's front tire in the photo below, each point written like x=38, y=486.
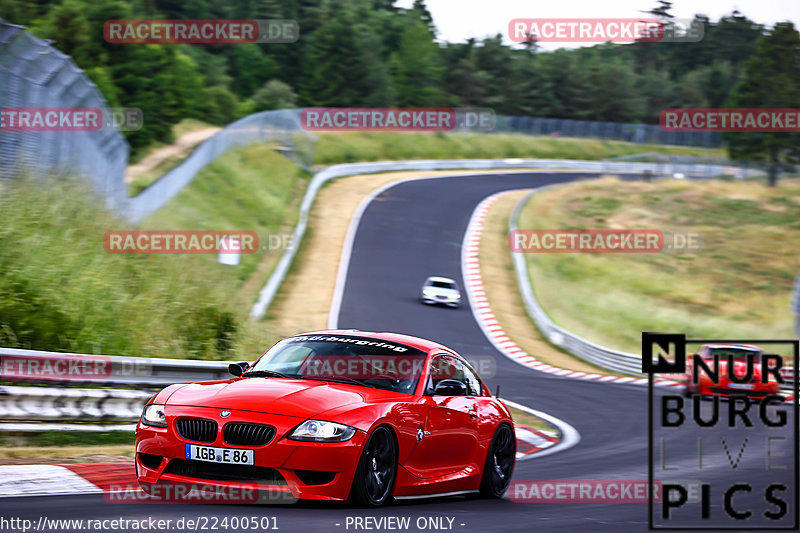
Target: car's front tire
x=499, y=463
x=377, y=470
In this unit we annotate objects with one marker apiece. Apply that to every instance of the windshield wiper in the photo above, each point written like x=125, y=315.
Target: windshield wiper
x=264, y=374
x=339, y=380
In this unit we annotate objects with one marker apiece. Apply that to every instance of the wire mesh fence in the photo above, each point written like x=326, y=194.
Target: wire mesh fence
x=33, y=74
x=635, y=133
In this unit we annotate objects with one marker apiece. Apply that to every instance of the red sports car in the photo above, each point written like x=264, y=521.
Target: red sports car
x=738, y=354
x=333, y=415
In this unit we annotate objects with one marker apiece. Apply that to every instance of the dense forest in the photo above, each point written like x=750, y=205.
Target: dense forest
x=372, y=53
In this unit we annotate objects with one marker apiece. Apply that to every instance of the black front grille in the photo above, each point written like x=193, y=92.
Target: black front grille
x=243, y=434
x=224, y=472
x=197, y=429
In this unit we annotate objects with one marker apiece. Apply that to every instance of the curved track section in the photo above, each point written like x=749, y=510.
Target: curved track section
x=407, y=232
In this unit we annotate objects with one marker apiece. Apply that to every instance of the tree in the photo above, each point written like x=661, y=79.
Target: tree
x=415, y=68
x=772, y=80
x=274, y=95
x=250, y=68
x=342, y=66
x=67, y=25
x=659, y=92
x=424, y=15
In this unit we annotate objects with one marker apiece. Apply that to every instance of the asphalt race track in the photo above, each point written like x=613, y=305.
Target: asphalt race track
x=413, y=230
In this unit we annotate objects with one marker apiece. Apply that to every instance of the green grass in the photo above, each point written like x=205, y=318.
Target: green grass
x=68, y=438
x=737, y=286
x=335, y=148
x=525, y=418
x=61, y=291
x=143, y=181
x=254, y=188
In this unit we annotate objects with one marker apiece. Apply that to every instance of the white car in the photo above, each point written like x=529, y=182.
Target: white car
x=439, y=290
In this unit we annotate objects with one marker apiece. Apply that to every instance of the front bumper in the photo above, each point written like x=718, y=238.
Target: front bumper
x=723, y=390
x=452, y=301
x=304, y=470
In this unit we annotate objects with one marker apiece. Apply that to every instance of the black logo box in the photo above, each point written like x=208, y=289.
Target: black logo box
x=676, y=343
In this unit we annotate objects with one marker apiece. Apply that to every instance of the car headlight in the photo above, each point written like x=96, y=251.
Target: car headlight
x=153, y=415
x=428, y=292
x=321, y=431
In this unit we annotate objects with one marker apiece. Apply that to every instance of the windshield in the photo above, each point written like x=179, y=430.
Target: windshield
x=737, y=354
x=442, y=284
x=352, y=359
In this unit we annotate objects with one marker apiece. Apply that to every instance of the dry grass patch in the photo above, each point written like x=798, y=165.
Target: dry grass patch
x=30, y=455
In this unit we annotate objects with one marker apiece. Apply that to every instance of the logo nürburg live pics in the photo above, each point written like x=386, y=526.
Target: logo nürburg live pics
x=724, y=450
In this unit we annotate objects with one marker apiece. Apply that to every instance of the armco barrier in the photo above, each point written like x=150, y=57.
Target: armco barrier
x=627, y=363
x=45, y=393
x=48, y=403
x=134, y=372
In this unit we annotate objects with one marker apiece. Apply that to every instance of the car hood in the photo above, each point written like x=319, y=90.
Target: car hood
x=290, y=397
x=739, y=370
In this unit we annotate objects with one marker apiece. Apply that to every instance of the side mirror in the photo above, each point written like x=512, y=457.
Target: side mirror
x=238, y=368
x=450, y=387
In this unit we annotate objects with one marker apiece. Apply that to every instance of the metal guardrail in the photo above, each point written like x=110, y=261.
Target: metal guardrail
x=47, y=404
x=56, y=368
x=624, y=362
x=600, y=356
x=50, y=391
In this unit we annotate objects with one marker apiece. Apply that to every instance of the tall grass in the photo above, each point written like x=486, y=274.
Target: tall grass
x=61, y=291
x=335, y=148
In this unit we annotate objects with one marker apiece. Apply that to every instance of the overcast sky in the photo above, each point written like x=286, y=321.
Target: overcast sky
x=458, y=20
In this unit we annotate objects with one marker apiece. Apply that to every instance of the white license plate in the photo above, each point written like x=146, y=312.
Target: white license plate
x=219, y=455
x=744, y=386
